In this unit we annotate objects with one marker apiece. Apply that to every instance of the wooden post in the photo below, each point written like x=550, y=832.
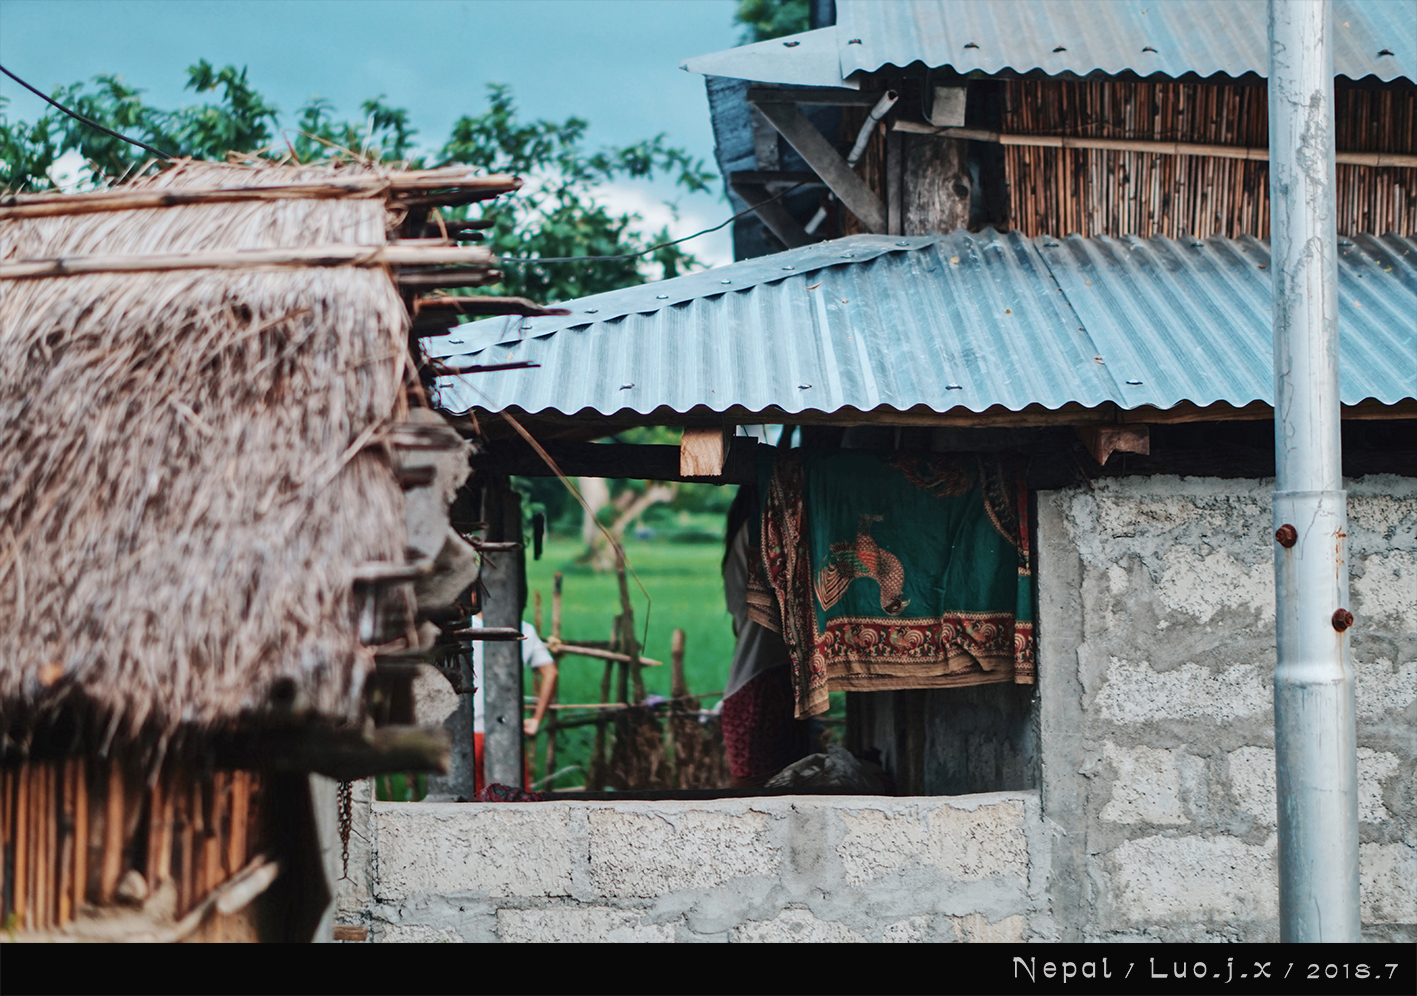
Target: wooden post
x=240, y=799
x=22, y=845
x=502, y=684
x=111, y=868
x=6, y=836
x=67, y=846
x=44, y=862
x=154, y=852
x=81, y=836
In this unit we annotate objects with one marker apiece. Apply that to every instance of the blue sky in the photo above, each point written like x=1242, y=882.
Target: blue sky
x=612, y=62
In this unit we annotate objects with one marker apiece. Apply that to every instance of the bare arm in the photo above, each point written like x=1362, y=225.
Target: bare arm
x=548, y=674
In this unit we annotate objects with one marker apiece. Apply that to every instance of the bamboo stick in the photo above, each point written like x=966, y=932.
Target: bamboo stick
x=44, y=863
x=605, y=655
x=200, y=885
x=18, y=206
x=67, y=848
x=213, y=798
x=111, y=868
x=181, y=790
x=24, y=863
x=556, y=606
x=240, y=806
x=536, y=610
x=239, y=259
x=154, y=849
x=81, y=835
x=7, y=837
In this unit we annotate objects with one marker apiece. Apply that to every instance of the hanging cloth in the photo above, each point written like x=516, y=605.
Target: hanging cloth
x=891, y=571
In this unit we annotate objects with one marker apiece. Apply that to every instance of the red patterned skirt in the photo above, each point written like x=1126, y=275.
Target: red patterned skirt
x=760, y=735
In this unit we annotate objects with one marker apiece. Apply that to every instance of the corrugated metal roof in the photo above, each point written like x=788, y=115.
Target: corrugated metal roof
x=965, y=321
x=806, y=59
x=1170, y=37
x=1082, y=36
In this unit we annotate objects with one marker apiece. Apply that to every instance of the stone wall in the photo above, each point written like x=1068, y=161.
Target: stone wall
x=768, y=869
x=1156, y=655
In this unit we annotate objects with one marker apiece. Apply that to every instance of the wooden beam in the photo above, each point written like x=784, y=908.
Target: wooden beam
x=341, y=754
x=239, y=259
x=770, y=211
x=822, y=156
x=1255, y=153
x=612, y=460
x=703, y=452
x=830, y=96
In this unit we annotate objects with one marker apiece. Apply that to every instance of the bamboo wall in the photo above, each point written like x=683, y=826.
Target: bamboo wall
x=1095, y=192
x=71, y=830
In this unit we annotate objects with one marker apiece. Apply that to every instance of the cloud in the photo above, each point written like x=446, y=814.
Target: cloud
x=714, y=249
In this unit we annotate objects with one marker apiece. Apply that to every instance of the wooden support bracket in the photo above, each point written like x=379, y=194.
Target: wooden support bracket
x=822, y=156
x=703, y=452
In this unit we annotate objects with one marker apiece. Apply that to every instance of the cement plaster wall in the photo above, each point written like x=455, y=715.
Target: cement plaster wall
x=1157, y=815
x=770, y=869
x=1156, y=652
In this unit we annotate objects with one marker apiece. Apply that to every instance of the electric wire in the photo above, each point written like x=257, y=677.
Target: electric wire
x=79, y=117
x=653, y=248
x=501, y=259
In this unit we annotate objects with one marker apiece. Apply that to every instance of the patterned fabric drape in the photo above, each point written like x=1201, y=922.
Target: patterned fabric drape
x=889, y=571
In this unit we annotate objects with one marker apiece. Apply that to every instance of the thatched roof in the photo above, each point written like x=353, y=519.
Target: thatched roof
x=190, y=471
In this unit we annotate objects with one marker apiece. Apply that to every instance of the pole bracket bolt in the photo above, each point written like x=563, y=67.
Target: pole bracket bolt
x=1342, y=619
x=1286, y=536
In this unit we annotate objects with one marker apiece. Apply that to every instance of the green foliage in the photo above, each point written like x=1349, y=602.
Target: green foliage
x=555, y=215
x=558, y=213
x=764, y=19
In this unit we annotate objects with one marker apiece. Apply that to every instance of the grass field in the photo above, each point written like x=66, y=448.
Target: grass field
x=685, y=591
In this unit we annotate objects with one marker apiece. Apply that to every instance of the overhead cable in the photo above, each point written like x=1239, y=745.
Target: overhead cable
x=79, y=117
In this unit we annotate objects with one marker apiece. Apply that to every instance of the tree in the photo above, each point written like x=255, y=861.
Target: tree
x=764, y=19
x=556, y=215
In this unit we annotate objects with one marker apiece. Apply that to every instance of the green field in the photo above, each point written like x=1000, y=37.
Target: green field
x=685, y=590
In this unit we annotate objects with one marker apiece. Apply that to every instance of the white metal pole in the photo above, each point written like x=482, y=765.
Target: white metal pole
x=1315, y=733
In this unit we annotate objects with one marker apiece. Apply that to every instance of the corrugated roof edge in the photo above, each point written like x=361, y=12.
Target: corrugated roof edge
x=652, y=297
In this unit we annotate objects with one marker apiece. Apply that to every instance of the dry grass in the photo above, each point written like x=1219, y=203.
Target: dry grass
x=184, y=489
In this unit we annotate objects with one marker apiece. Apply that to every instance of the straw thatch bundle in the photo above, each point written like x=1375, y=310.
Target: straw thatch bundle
x=187, y=482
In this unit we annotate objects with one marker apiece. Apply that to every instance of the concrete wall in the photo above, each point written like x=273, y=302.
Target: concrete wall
x=769, y=869
x=1156, y=819
x=1157, y=650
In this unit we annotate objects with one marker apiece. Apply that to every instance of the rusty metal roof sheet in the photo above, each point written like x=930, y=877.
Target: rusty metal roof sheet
x=962, y=321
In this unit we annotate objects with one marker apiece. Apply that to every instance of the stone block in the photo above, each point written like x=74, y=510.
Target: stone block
x=1252, y=783
x=1387, y=875
x=580, y=925
x=796, y=926
x=1147, y=788
x=1135, y=693
x=1159, y=878
x=910, y=930
x=978, y=843
x=507, y=849
x=975, y=928
x=646, y=853
x=416, y=933
x=878, y=842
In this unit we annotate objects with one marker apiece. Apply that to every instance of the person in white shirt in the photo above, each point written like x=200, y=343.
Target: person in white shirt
x=535, y=656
